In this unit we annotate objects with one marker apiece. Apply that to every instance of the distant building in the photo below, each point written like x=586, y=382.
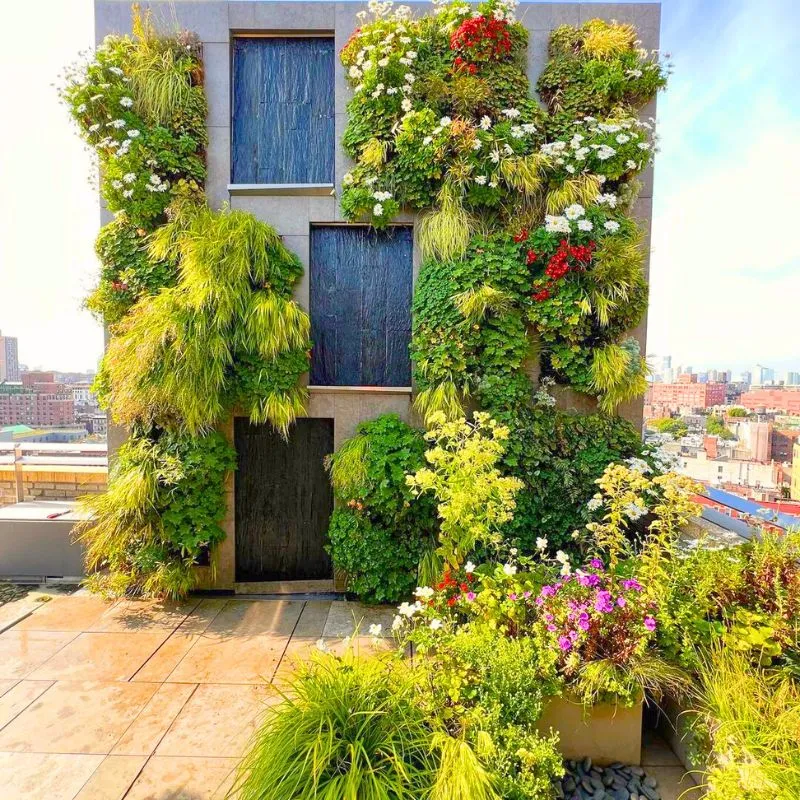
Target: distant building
x=82, y=394
x=686, y=394
x=746, y=378
x=791, y=379
x=99, y=425
x=795, y=490
x=782, y=445
x=724, y=472
x=777, y=398
x=9, y=359
x=30, y=408
x=762, y=376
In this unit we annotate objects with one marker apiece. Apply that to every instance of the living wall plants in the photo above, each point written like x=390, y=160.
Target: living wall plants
x=530, y=249
x=199, y=307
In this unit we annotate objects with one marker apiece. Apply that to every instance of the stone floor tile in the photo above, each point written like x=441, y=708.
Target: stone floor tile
x=19, y=698
x=169, y=655
x=45, y=776
x=674, y=783
x=112, y=779
x=313, y=619
x=66, y=614
x=22, y=651
x=244, y=644
x=656, y=752
x=143, y=615
x=345, y=617
x=6, y=684
x=173, y=778
x=218, y=720
x=101, y=657
x=148, y=729
x=84, y=717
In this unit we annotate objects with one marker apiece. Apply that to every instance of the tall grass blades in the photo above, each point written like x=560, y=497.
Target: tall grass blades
x=444, y=232
x=347, y=729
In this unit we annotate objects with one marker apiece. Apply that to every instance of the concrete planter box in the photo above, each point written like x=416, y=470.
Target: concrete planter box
x=36, y=541
x=605, y=733
x=674, y=722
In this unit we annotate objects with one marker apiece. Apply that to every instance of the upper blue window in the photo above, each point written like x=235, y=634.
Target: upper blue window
x=360, y=287
x=283, y=110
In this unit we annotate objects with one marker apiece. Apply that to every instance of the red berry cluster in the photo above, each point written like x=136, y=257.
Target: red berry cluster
x=483, y=39
x=567, y=258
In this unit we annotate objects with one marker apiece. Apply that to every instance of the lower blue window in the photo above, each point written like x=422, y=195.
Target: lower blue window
x=360, y=286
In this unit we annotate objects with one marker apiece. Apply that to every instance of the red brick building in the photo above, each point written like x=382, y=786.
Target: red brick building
x=37, y=409
x=780, y=398
x=671, y=397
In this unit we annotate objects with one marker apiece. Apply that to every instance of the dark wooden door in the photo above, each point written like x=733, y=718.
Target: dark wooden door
x=283, y=501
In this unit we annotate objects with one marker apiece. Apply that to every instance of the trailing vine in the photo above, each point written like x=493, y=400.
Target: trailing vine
x=199, y=305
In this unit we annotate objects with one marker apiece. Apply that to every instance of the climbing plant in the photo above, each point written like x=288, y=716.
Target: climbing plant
x=200, y=310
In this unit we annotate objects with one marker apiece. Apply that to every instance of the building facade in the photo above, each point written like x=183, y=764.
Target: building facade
x=9, y=359
x=777, y=398
x=30, y=408
x=666, y=398
x=292, y=185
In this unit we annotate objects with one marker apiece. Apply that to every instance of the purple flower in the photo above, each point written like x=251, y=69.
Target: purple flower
x=589, y=580
x=596, y=563
x=564, y=643
x=512, y=596
x=573, y=635
x=583, y=621
x=603, y=602
x=650, y=624
x=526, y=595
x=548, y=617
x=631, y=583
x=552, y=628
x=470, y=596
x=621, y=601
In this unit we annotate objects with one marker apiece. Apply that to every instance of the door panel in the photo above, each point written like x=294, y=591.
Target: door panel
x=283, y=501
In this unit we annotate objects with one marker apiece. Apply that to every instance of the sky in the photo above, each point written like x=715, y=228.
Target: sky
x=725, y=263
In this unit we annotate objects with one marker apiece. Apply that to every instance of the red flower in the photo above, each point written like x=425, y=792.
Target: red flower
x=531, y=257
x=521, y=236
x=485, y=39
x=451, y=601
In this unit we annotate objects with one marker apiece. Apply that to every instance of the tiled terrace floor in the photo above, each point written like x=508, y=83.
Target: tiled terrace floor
x=104, y=701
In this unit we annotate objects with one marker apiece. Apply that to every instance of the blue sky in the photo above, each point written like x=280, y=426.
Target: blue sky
x=725, y=267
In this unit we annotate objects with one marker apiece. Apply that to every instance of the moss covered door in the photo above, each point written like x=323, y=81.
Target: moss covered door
x=283, y=501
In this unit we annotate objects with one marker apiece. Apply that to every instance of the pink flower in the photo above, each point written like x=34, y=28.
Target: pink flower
x=583, y=622
x=603, y=602
x=621, y=601
x=596, y=563
x=631, y=583
x=512, y=596
x=564, y=642
x=470, y=596
x=650, y=623
x=552, y=628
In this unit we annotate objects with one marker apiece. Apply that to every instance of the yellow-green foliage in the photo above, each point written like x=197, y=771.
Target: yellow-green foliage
x=475, y=304
x=583, y=189
x=753, y=719
x=171, y=359
x=442, y=398
x=444, y=232
x=474, y=498
x=616, y=274
x=525, y=173
x=604, y=40
x=618, y=373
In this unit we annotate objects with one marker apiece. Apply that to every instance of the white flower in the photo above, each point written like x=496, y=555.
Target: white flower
x=115, y=70
x=409, y=609
x=128, y=193
x=155, y=180
x=424, y=592
x=427, y=140
x=469, y=568
x=321, y=646
x=562, y=557
x=377, y=209
x=494, y=156
x=594, y=503
x=129, y=177
x=622, y=138
x=411, y=54
x=397, y=622
x=508, y=149
x=529, y=127
x=348, y=179
x=477, y=144
x=541, y=543
x=406, y=88
x=498, y=14
x=409, y=77
x=375, y=630
x=513, y=551
x=95, y=97
x=435, y=624
x=585, y=225
x=611, y=226
x=94, y=128
x=608, y=199
x=485, y=123
x=384, y=62
x=635, y=510
x=566, y=570
x=574, y=211
x=81, y=108
x=554, y=224
x=480, y=180
x=509, y=569
x=406, y=105
x=643, y=146
x=511, y=113
x=126, y=102
x=605, y=152
x=355, y=72
x=445, y=121
x=634, y=73
x=492, y=184
x=569, y=168
x=630, y=164
x=517, y=132
x=117, y=123
x=117, y=184
x=133, y=133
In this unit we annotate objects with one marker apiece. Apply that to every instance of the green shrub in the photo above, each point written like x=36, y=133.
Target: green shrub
x=160, y=515
x=377, y=535
x=348, y=729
